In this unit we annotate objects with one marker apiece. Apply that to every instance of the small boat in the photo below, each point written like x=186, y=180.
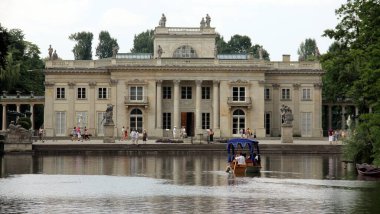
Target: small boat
x=252, y=162
x=368, y=170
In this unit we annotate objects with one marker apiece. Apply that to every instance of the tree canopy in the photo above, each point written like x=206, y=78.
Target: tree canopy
x=308, y=50
x=239, y=44
x=106, y=45
x=83, y=48
x=4, y=41
x=352, y=67
x=23, y=66
x=143, y=42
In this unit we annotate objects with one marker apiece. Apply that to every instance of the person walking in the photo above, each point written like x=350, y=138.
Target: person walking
x=211, y=136
x=145, y=136
x=122, y=137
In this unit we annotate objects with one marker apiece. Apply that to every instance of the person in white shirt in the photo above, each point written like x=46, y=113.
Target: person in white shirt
x=240, y=159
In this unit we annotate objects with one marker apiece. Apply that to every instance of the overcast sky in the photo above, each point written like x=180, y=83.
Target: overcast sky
x=279, y=25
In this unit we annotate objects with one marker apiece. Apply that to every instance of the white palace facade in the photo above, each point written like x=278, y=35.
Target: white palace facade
x=187, y=85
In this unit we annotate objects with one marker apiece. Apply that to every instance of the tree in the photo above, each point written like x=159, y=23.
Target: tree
x=239, y=44
x=4, y=41
x=221, y=45
x=83, y=49
x=308, y=50
x=143, y=42
x=106, y=45
x=353, y=63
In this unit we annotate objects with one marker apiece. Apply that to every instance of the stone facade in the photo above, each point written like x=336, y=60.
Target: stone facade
x=187, y=86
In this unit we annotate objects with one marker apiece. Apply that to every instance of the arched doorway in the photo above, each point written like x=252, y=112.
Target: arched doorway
x=136, y=120
x=238, y=121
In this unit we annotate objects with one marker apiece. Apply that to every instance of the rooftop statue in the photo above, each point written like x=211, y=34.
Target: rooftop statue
x=203, y=23
x=55, y=55
x=162, y=22
x=208, y=20
x=115, y=50
x=50, y=52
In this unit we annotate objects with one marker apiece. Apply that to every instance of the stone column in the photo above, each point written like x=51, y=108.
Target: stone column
x=4, y=122
x=296, y=109
x=32, y=116
x=330, y=116
x=317, y=114
x=176, y=104
x=343, y=125
x=356, y=115
x=215, y=104
x=159, y=104
x=18, y=108
x=276, y=111
x=198, y=96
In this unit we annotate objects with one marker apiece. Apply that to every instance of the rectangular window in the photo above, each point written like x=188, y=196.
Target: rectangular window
x=205, y=120
x=166, y=92
x=186, y=92
x=61, y=93
x=100, y=127
x=267, y=123
x=285, y=94
x=238, y=94
x=306, y=121
x=60, y=123
x=136, y=93
x=103, y=93
x=206, y=93
x=81, y=93
x=166, y=120
x=267, y=94
x=81, y=119
x=306, y=94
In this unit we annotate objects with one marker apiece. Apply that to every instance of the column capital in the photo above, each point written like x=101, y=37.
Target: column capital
x=275, y=86
x=216, y=82
x=159, y=82
x=318, y=85
x=92, y=84
x=71, y=84
x=296, y=86
x=198, y=82
x=176, y=82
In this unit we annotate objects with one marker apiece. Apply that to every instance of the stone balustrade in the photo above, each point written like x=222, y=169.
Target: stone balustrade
x=83, y=64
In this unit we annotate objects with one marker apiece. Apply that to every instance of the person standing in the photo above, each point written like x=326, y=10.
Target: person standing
x=331, y=135
x=145, y=136
x=211, y=135
x=137, y=137
x=122, y=134
x=133, y=136
x=73, y=133
x=41, y=134
x=175, y=132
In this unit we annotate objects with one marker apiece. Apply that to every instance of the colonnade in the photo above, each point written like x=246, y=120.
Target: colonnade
x=197, y=107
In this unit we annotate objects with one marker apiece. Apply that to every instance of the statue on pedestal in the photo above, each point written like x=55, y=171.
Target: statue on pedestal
x=208, y=20
x=108, y=116
x=159, y=52
x=50, y=52
x=286, y=114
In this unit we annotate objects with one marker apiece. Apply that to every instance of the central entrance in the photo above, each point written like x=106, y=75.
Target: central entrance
x=187, y=121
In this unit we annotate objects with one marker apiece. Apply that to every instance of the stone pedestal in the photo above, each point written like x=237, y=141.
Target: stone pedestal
x=286, y=133
x=108, y=133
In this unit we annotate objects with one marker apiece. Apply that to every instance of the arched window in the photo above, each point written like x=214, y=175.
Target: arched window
x=238, y=121
x=136, y=120
x=185, y=51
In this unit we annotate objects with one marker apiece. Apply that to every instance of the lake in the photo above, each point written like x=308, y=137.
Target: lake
x=181, y=182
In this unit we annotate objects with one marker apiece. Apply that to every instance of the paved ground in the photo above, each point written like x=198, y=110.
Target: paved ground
x=300, y=141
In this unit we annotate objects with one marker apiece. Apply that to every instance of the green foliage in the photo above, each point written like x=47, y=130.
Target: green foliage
x=352, y=67
x=25, y=122
x=4, y=41
x=308, y=50
x=239, y=44
x=83, y=48
x=105, y=46
x=11, y=74
x=143, y=42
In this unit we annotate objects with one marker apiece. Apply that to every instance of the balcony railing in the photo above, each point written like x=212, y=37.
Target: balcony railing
x=239, y=102
x=136, y=101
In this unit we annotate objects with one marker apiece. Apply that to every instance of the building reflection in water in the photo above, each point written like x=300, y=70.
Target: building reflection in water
x=184, y=168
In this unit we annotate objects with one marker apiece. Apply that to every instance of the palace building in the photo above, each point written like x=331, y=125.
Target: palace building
x=184, y=83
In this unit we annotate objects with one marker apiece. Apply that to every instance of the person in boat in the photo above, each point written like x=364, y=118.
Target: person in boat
x=240, y=159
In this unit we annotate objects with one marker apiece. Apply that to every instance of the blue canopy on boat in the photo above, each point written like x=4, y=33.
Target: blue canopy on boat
x=233, y=143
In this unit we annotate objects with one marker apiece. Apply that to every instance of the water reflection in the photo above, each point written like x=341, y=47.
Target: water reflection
x=180, y=183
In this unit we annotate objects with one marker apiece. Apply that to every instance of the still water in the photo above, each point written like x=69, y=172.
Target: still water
x=181, y=183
